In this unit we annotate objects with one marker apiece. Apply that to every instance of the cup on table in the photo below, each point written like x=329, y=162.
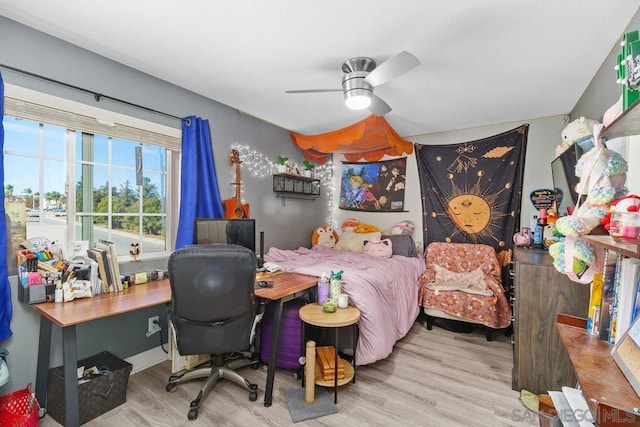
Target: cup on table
x=343, y=300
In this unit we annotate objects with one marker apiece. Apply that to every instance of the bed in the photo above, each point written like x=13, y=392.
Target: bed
x=385, y=290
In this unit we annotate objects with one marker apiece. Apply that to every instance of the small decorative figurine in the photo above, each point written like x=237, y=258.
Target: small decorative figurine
x=135, y=251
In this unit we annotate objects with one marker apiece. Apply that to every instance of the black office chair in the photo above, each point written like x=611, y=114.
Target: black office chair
x=214, y=311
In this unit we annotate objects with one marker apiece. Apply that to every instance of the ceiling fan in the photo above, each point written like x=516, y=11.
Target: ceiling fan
x=362, y=74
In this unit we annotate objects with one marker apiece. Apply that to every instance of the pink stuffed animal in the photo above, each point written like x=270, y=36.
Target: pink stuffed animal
x=377, y=247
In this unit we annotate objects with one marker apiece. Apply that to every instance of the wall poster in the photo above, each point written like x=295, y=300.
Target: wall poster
x=373, y=186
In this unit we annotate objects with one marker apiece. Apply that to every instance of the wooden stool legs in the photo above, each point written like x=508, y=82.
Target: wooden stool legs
x=310, y=372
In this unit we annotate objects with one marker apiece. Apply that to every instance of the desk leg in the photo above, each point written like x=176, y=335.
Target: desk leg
x=42, y=369
x=273, y=353
x=70, y=361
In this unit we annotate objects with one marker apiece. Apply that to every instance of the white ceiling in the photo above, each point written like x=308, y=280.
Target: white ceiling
x=482, y=62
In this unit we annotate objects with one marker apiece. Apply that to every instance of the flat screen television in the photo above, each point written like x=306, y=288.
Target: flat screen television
x=226, y=231
x=563, y=170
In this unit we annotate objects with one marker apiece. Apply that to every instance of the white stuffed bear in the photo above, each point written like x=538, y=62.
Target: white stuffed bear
x=579, y=131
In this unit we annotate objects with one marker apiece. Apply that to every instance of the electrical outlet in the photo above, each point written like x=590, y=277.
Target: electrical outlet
x=154, y=325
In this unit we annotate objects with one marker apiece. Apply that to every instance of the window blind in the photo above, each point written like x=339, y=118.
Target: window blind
x=28, y=104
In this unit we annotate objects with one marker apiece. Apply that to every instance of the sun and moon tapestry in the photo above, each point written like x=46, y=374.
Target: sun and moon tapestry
x=478, y=198
x=373, y=186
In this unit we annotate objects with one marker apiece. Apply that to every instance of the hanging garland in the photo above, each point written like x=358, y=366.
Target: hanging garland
x=261, y=166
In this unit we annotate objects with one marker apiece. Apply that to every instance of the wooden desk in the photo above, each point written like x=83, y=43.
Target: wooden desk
x=69, y=314
x=66, y=316
x=286, y=287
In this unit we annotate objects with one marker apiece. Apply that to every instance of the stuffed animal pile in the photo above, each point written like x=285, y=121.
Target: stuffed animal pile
x=602, y=174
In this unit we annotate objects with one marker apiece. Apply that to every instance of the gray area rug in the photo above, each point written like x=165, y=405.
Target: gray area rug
x=301, y=410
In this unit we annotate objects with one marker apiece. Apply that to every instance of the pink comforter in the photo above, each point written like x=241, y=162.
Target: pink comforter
x=384, y=289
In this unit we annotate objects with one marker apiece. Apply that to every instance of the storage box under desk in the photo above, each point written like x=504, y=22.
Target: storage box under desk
x=95, y=396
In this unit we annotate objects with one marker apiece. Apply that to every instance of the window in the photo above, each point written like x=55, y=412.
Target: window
x=71, y=185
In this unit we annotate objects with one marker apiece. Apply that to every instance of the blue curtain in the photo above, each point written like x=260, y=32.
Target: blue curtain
x=6, y=309
x=199, y=194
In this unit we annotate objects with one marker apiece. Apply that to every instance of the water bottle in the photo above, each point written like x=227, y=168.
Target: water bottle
x=323, y=288
x=537, y=235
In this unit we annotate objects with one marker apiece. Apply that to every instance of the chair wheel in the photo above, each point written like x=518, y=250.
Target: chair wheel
x=265, y=368
x=253, y=396
x=255, y=366
x=193, y=414
x=296, y=376
x=170, y=386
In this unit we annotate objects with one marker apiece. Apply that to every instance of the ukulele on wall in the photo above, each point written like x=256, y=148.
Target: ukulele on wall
x=234, y=208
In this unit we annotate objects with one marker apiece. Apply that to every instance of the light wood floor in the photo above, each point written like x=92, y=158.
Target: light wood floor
x=432, y=378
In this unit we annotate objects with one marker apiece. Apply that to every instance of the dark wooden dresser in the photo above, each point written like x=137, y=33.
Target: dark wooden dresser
x=540, y=361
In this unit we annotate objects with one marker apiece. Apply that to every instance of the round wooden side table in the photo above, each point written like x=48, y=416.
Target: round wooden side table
x=313, y=314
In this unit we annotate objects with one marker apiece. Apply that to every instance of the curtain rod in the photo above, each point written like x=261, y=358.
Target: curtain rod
x=97, y=96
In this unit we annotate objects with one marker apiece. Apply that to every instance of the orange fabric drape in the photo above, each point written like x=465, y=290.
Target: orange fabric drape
x=369, y=139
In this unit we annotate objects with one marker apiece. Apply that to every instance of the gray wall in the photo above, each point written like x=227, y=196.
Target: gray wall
x=603, y=91
x=288, y=226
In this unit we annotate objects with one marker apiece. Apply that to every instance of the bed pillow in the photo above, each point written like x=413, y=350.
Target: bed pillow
x=379, y=248
x=355, y=241
x=402, y=244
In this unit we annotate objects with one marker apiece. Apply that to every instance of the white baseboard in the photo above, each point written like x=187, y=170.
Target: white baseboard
x=147, y=359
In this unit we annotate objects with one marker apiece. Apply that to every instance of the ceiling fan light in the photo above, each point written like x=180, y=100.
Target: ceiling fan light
x=358, y=99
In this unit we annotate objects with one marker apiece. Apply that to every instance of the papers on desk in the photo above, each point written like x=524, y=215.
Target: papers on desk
x=572, y=408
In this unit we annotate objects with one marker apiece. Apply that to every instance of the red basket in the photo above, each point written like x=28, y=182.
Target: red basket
x=19, y=409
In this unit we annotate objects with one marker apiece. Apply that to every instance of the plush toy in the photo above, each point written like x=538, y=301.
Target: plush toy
x=349, y=224
x=377, y=247
x=602, y=174
x=579, y=132
x=324, y=236
x=628, y=203
x=366, y=228
x=403, y=227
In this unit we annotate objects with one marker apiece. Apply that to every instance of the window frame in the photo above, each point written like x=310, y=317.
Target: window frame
x=76, y=116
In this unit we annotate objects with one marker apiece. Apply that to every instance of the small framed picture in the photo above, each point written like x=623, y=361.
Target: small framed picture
x=626, y=353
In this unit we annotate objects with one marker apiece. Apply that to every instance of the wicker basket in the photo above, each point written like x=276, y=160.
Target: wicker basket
x=96, y=396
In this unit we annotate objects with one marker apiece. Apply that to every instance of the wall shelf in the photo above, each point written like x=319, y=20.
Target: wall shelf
x=296, y=186
x=608, y=393
x=627, y=124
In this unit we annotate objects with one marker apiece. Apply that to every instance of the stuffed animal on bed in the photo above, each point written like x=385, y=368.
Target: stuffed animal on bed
x=349, y=224
x=366, y=228
x=403, y=227
x=377, y=247
x=324, y=236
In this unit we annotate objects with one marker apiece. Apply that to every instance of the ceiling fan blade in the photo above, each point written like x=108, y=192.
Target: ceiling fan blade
x=312, y=90
x=378, y=106
x=392, y=68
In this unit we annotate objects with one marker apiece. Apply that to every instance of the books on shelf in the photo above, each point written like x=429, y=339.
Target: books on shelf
x=593, y=318
x=609, y=277
x=615, y=297
x=625, y=297
x=636, y=306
